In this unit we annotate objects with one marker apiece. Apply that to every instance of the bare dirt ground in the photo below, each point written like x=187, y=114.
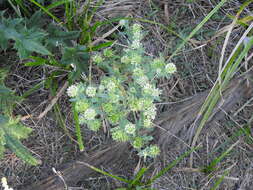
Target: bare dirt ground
x=197, y=71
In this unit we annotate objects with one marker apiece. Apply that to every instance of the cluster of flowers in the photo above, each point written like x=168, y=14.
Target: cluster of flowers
x=125, y=97
x=5, y=184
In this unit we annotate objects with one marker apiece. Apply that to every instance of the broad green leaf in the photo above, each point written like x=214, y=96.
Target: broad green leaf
x=34, y=46
x=59, y=37
x=78, y=57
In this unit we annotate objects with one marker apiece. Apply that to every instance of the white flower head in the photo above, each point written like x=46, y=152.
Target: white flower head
x=136, y=44
x=91, y=91
x=5, y=184
x=138, y=72
x=156, y=92
x=125, y=59
x=97, y=58
x=142, y=80
x=130, y=129
x=111, y=85
x=90, y=114
x=72, y=91
x=136, y=28
x=147, y=123
x=136, y=59
x=158, y=71
x=150, y=112
x=123, y=22
x=170, y=68
x=150, y=90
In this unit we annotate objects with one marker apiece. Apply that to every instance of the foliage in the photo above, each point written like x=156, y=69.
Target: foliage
x=11, y=130
x=125, y=96
x=31, y=36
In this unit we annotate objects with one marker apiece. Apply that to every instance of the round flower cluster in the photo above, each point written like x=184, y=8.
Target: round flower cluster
x=89, y=114
x=110, y=83
x=81, y=106
x=138, y=143
x=170, y=68
x=119, y=135
x=72, y=91
x=125, y=59
x=137, y=31
x=5, y=184
x=91, y=91
x=148, y=89
x=97, y=58
x=151, y=151
x=108, y=53
x=130, y=129
x=94, y=125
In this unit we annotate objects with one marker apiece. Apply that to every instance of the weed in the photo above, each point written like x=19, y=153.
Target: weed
x=125, y=96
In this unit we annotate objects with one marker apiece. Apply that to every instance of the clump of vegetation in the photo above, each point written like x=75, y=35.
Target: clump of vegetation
x=125, y=95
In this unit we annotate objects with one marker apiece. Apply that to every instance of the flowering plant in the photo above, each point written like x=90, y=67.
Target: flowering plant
x=124, y=98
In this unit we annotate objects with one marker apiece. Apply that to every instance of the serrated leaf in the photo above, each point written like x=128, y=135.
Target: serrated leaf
x=7, y=99
x=76, y=56
x=59, y=37
x=34, y=46
x=20, y=150
x=19, y=131
x=36, y=20
x=10, y=131
x=26, y=40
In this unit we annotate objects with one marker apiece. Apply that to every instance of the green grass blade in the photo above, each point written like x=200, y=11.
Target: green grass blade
x=238, y=133
x=219, y=181
x=105, y=173
x=213, y=164
x=215, y=94
x=78, y=129
x=15, y=8
x=171, y=165
x=33, y=89
x=45, y=10
x=57, y=4
x=138, y=177
x=199, y=26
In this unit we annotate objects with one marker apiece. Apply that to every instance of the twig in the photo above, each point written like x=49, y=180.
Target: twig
x=105, y=35
x=54, y=100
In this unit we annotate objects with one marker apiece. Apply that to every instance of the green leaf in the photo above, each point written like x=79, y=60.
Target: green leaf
x=18, y=131
x=59, y=37
x=37, y=61
x=100, y=46
x=10, y=133
x=57, y=3
x=26, y=40
x=7, y=99
x=78, y=57
x=34, y=46
x=20, y=150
